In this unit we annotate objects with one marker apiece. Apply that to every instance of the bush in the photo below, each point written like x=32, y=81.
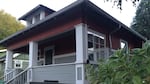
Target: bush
x=123, y=68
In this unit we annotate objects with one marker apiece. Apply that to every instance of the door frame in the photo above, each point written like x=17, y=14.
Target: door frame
x=46, y=49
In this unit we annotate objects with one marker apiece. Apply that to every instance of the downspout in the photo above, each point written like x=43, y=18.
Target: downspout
x=110, y=38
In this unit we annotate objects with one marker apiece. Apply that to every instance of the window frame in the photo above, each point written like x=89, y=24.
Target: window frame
x=100, y=35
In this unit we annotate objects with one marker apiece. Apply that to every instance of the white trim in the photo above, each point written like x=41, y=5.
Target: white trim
x=3, y=50
x=65, y=55
x=49, y=48
x=53, y=65
x=95, y=33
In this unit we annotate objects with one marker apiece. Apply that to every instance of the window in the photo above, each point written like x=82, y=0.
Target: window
x=17, y=64
x=37, y=17
x=124, y=45
x=29, y=22
x=96, y=43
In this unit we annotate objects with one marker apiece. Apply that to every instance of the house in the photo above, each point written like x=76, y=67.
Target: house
x=20, y=62
x=60, y=43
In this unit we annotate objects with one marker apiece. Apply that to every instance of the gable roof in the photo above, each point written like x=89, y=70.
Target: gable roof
x=39, y=7
x=64, y=12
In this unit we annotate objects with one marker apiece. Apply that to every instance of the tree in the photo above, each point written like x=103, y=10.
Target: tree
x=141, y=22
x=119, y=3
x=123, y=68
x=8, y=25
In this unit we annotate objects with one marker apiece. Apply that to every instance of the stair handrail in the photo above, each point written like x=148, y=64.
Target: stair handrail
x=19, y=74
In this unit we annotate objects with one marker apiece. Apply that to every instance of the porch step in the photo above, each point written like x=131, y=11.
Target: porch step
x=43, y=83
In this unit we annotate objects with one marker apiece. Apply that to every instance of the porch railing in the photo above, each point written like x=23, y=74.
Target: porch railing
x=101, y=53
x=64, y=73
x=20, y=78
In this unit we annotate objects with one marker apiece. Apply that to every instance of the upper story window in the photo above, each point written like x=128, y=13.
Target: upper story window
x=37, y=17
x=96, y=45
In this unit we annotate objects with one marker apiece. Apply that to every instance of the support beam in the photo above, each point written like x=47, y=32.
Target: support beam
x=33, y=53
x=81, y=52
x=9, y=61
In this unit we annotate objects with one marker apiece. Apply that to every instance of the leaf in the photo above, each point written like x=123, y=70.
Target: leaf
x=136, y=80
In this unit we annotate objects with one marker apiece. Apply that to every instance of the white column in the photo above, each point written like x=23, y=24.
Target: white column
x=81, y=52
x=9, y=61
x=33, y=53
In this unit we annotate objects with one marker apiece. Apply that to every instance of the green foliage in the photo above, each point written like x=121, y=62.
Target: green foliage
x=141, y=22
x=8, y=25
x=123, y=68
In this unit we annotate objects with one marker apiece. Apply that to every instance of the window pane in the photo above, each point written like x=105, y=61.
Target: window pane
x=91, y=56
x=96, y=39
x=101, y=41
x=97, y=46
x=90, y=37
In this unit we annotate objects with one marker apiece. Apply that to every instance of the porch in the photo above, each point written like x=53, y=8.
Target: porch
x=60, y=58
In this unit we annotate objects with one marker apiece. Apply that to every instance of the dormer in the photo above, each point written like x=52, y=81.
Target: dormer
x=36, y=14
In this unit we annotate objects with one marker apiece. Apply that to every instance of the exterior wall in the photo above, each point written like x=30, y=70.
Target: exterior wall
x=114, y=38
x=115, y=42
x=62, y=73
x=61, y=46
x=43, y=35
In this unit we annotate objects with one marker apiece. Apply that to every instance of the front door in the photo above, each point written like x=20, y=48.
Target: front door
x=48, y=56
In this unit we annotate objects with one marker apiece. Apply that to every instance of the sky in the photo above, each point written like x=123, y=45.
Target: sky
x=17, y=8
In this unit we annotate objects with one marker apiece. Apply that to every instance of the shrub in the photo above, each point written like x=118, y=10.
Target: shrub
x=123, y=68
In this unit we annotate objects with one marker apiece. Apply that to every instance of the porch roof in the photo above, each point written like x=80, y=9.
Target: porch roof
x=85, y=8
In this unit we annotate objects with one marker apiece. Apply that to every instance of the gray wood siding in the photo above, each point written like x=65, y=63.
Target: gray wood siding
x=64, y=73
x=68, y=59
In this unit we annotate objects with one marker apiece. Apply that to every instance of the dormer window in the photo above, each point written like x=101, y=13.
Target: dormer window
x=36, y=18
x=36, y=14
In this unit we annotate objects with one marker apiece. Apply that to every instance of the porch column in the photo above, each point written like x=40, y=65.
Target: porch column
x=81, y=52
x=33, y=53
x=9, y=61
